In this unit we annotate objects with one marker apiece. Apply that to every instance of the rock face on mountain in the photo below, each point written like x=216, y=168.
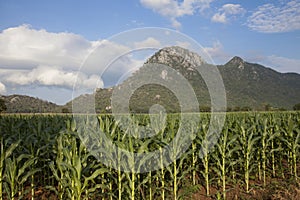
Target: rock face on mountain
x=180, y=59
x=176, y=57
x=185, y=64
x=236, y=61
x=247, y=85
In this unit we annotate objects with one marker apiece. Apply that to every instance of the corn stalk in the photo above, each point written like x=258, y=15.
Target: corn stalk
x=5, y=153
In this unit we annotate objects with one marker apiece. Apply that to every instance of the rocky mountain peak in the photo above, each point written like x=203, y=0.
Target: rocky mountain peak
x=235, y=61
x=178, y=56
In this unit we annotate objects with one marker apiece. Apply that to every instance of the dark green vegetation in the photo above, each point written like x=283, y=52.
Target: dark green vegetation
x=297, y=106
x=27, y=104
x=248, y=86
x=3, y=107
x=43, y=158
x=256, y=86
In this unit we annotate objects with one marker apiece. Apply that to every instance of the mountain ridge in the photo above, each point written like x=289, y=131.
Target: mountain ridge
x=17, y=103
x=248, y=85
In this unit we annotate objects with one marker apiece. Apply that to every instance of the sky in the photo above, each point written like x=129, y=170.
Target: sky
x=45, y=45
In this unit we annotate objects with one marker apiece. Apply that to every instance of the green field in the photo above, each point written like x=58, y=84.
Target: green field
x=257, y=156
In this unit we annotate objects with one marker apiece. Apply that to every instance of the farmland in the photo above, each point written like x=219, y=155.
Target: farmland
x=43, y=157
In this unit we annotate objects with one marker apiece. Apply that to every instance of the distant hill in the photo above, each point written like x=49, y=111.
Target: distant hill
x=247, y=85
x=98, y=102
x=27, y=104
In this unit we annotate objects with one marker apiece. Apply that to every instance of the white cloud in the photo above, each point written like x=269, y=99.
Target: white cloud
x=227, y=10
x=31, y=59
x=176, y=24
x=172, y=9
x=278, y=63
x=217, y=53
x=104, y=53
x=283, y=64
x=183, y=44
x=2, y=88
x=149, y=42
x=51, y=76
x=219, y=17
x=270, y=18
x=30, y=56
x=24, y=47
x=233, y=9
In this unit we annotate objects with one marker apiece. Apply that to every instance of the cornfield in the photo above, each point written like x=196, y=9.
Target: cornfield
x=43, y=157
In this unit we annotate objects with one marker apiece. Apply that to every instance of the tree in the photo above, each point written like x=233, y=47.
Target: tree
x=3, y=107
x=237, y=108
x=205, y=109
x=65, y=110
x=268, y=107
x=297, y=106
x=246, y=108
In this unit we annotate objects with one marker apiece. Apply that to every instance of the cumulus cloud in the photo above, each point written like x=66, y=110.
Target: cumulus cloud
x=29, y=56
x=103, y=55
x=183, y=44
x=219, y=17
x=172, y=9
x=270, y=18
x=283, y=64
x=2, y=88
x=233, y=9
x=24, y=47
x=148, y=42
x=217, y=53
x=227, y=10
x=51, y=76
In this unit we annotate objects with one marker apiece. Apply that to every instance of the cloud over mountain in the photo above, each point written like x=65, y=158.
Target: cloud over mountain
x=272, y=18
x=173, y=9
x=226, y=12
x=2, y=88
x=23, y=44
x=38, y=57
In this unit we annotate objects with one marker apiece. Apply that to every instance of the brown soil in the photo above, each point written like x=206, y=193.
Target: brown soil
x=276, y=189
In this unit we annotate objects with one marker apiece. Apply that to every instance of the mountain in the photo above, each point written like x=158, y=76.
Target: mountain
x=184, y=64
x=99, y=101
x=253, y=85
x=247, y=85
x=27, y=104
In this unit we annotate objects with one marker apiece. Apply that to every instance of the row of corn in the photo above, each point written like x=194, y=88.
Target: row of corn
x=61, y=155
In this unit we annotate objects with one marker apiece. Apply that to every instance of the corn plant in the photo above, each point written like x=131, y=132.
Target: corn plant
x=72, y=162
x=177, y=153
x=226, y=149
x=248, y=140
x=49, y=152
x=5, y=153
x=291, y=140
x=16, y=174
x=267, y=146
x=275, y=145
x=205, y=156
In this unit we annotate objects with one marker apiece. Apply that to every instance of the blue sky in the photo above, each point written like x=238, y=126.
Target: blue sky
x=43, y=43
